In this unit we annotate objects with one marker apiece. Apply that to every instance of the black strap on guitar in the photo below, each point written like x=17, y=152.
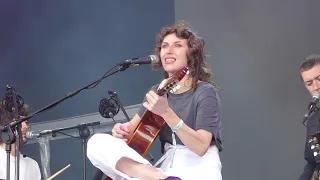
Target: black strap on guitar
x=97, y=175
x=316, y=173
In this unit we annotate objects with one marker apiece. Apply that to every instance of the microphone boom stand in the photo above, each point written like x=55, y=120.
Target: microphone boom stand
x=7, y=128
x=19, y=137
x=84, y=133
x=9, y=136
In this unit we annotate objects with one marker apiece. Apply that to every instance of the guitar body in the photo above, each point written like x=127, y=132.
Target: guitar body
x=146, y=132
x=149, y=127
x=315, y=147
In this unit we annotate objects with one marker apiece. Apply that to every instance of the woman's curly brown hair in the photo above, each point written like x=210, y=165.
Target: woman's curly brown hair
x=196, y=57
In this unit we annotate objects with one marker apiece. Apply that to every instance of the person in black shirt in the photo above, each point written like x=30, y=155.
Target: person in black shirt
x=310, y=75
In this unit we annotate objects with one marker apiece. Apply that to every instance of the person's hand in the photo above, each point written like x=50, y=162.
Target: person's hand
x=121, y=131
x=156, y=104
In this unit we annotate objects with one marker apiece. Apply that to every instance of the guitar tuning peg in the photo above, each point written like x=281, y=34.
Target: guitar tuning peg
x=188, y=72
x=313, y=140
x=177, y=87
x=315, y=153
x=312, y=146
x=174, y=89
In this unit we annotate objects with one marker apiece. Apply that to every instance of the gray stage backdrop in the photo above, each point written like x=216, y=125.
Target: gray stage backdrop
x=256, y=48
x=49, y=48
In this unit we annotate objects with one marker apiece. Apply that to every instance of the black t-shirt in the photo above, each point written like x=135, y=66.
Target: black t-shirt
x=199, y=110
x=313, y=126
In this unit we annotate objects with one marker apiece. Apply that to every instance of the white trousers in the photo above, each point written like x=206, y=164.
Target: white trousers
x=104, y=151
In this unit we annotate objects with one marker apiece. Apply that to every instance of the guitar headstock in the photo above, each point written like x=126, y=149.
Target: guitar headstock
x=171, y=84
x=314, y=142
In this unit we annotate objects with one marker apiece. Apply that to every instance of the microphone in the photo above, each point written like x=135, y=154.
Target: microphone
x=108, y=107
x=37, y=134
x=314, y=101
x=8, y=100
x=312, y=107
x=151, y=59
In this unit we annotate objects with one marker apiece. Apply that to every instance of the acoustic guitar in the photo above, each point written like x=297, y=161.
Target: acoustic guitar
x=315, y=147
x=149, y=127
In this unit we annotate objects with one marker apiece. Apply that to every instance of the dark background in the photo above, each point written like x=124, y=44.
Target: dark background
x=51, y=48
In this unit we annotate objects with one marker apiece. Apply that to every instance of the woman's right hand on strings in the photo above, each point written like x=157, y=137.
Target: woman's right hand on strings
x=121, y=131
